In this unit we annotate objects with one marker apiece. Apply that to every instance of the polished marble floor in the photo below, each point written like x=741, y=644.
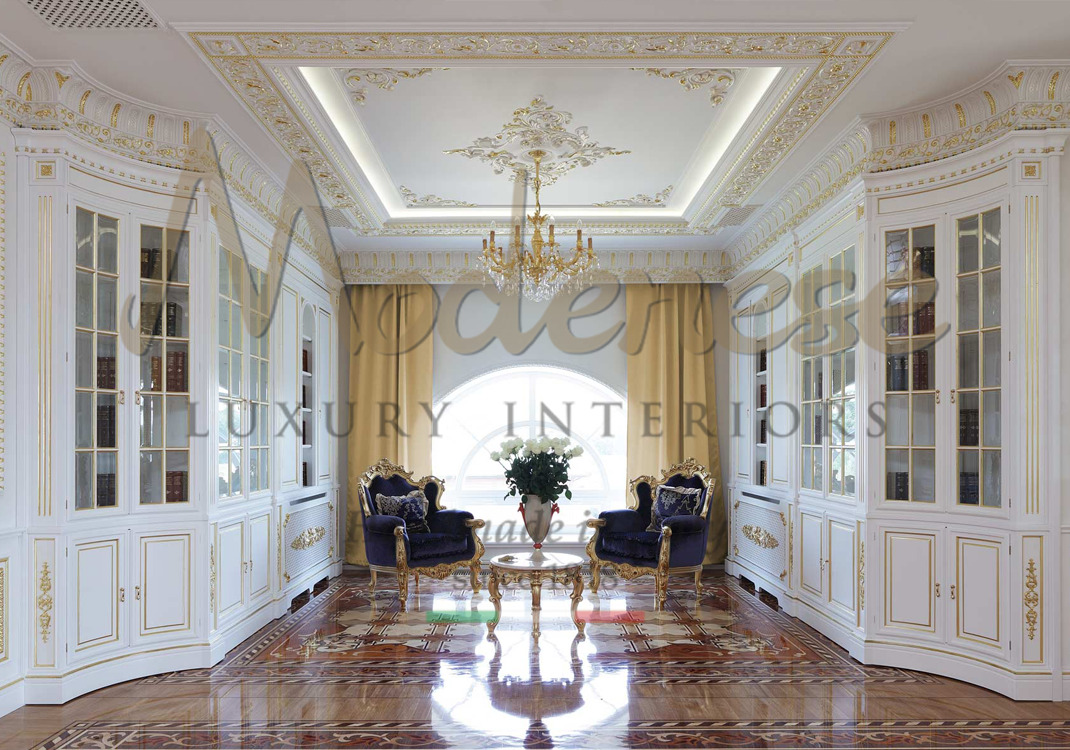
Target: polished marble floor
x=721, y=669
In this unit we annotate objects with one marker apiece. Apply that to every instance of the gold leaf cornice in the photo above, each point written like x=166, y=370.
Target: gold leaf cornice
x=308, y=538
x=760, y=536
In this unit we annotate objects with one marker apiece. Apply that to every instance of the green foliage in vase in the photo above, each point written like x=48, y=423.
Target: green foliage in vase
x=537, y=467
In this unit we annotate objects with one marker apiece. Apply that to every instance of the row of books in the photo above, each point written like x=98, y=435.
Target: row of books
x=304, y=474
x=898, y=485
x=762, y=472
x=175, y=490
x=925, y=319
x=969, y=427
x=969, y=488
x=106, y=373
x=106, y=492
x=762, y=433
x=152, y=323
x=304, y=361
x=898, y=370
x=763, y=357
x=106, y=426
x=761, y=395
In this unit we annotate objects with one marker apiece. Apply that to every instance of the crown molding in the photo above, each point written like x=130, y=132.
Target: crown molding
x=60, y=96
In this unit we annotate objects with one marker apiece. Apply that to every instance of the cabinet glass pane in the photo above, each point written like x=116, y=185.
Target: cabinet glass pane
x=165, y=365
x=910, y=367
x=223, y=473
x=979, y=359
x=231, y=432
x=96, y=366
x=896, y=246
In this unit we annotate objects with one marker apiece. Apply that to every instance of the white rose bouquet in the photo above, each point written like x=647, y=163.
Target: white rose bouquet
x=537, y=467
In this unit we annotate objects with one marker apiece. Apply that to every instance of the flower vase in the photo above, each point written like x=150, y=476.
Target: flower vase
x=537, y=514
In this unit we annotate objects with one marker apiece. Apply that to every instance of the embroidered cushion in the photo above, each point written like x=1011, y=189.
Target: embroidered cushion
x=410, y=508
x=672, y=501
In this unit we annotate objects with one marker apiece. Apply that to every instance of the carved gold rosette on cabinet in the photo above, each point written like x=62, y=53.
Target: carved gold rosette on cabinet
x=1031, y=599
x=760, y=536
x=44, y=602
x=308, y=537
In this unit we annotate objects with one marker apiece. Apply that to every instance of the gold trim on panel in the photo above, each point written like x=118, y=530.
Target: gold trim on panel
x=991, y=102
x=1031, y=225
x=211, y=577
x=115, y=115
x=83, y=100
x=1033, y=599
x=930, y=539
x=927, y=125
x=1051, y=86
x=892, y=135
x=760, y=536
x=113, y=546
x=961, y=113
x=23, y=90
x=3, y=609
x=150, y=129
x=143, y=595
x=961, y=542
x=861, y=574
x=44, y=352
x=956, y=654
x=3, y=303
x=44, y=602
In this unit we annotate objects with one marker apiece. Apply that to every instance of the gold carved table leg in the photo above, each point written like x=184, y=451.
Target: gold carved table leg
x=577, y=597
x=495, y=599
x=536, y=591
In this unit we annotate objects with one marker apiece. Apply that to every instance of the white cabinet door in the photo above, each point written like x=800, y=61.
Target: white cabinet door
x=978, y=594
x=842, y=565
x=286, y=393
x=259, y=554
x=323, y=390
x=230, y=539
x=97, y=585
x=812, y=560
x=742, y=381
x=779, y=420
x=911, y=584
x=162, y=587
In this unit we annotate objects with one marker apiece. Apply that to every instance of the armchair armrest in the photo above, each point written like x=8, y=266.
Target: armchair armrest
x=621, y=521
x=384, y=524
x=684, y=524
x=449, y=521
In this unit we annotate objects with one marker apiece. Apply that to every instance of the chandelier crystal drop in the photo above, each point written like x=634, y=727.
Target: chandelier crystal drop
x=540, y=271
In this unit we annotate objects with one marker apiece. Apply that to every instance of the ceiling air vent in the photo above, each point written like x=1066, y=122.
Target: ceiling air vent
x=94, y=14
x=737, y=216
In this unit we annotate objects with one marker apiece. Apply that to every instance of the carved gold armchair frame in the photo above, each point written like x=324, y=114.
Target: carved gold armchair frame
x=688, y=468
x=402, y=570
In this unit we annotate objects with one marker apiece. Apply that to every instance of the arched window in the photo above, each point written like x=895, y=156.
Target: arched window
x=528, y=402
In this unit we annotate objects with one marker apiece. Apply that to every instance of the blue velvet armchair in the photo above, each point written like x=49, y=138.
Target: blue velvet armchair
x=452, y=543
x=622, y=544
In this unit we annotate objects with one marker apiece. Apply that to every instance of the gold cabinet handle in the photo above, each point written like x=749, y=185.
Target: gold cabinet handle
x=122, y=595
x=122, y=397
x=937, y=395
x=952, y=592
x=938, y=591
x=137, y=593
x=952, y=395
x=137, y=397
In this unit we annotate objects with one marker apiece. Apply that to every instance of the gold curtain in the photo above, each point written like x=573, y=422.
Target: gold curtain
x=389, y=381
x=672, y=397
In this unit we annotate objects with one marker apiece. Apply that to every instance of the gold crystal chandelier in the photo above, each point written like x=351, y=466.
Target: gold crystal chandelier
x=540, y=271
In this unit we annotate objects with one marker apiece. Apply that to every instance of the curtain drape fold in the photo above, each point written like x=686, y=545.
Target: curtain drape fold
x=672, y=396
x=389, y=388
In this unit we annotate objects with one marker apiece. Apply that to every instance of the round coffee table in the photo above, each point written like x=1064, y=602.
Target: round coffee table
x=536, y=567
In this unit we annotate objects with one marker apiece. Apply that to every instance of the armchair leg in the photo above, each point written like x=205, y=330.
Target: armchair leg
x=698, y=583
x=661, y=586
x=661, y=573
x=403, y=588
x=374, y=577
x=475, y=568
x=596, y=576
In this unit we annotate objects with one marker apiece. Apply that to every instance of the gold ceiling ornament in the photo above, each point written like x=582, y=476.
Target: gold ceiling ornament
x=386, y=79
x=639, y=200
x=412, y=200
x=539, y=272
x=538, y=127
x=692, y=79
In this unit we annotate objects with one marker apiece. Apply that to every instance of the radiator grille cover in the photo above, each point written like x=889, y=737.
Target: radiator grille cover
x=94, y=14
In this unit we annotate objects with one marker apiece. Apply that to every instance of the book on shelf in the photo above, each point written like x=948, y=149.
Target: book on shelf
x=304, y=473
x=156, y=373
x=820, y=383
x=304, y=432
x=898, y=485
x=761, y=395
x=304, y=397
x=176, y=487
x=969, y=426
x=925, y=319
x=925, y=261
x=174, y=319
x=304, y=360
x=762, y=433
x=763, y=356
x=106, y=373
x=176, y=371
x=150, y=261
x=897, y=372
x=762, y=473
x=969, y=488
x=105, y=490
x=921, y=370
x=150, y=318
x=106, y=426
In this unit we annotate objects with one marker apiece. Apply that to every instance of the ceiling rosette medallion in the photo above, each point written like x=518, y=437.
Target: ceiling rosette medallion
x=386, y=79
x=656, y=200
x=412, y=200
x=538, y=127
x=719, y=80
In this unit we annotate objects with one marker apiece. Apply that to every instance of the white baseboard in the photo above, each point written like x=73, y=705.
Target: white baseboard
x=12, y=697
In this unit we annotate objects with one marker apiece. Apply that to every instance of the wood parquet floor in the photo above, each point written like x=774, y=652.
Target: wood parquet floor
x=350, y=670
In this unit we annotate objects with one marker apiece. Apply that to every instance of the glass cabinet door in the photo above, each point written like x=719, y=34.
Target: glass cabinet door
x=96, y=359
x=163, y=389
x=259, y=367
x=812, y=386
x=229, y=407
x=910, y=376
x=978, y=381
